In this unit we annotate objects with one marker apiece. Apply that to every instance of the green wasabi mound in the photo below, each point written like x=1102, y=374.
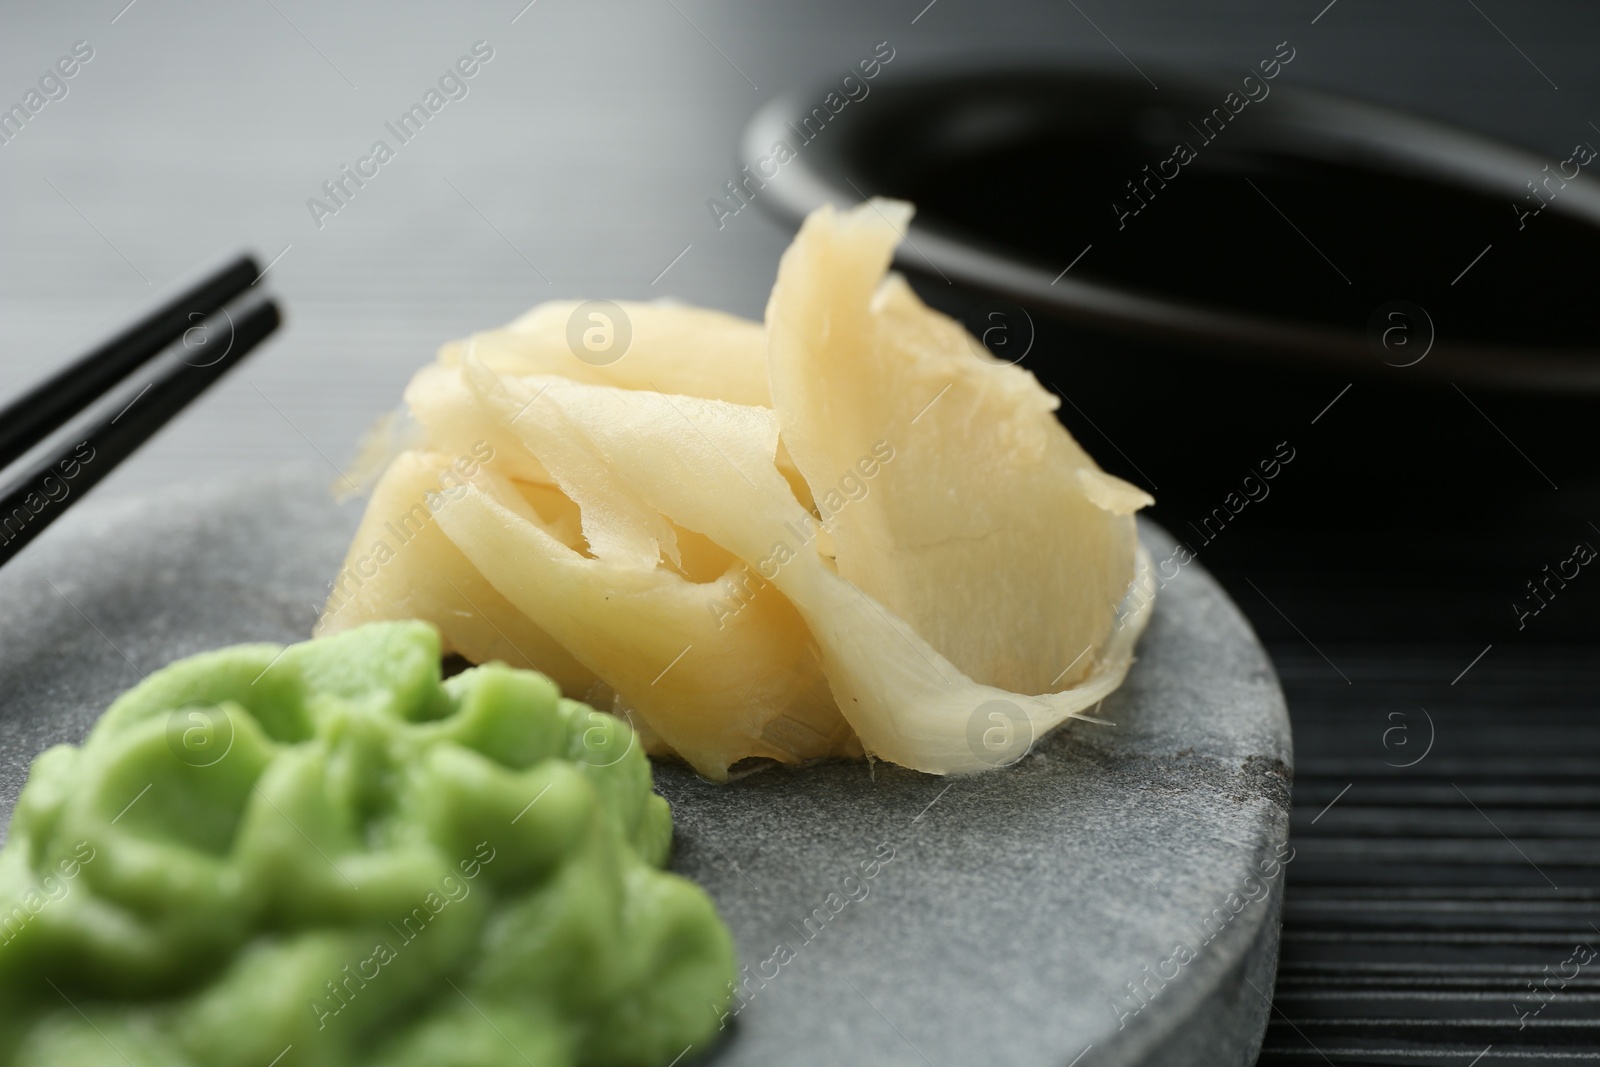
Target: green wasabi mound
x=321, y=855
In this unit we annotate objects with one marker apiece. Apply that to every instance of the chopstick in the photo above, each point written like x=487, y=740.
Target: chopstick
x=203, y=352
x=40, y=411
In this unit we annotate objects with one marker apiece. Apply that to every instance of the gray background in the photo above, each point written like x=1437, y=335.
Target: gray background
x=585, y=152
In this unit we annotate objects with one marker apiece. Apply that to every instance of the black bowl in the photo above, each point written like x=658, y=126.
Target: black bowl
x=1289, y=227
x=1380, y=295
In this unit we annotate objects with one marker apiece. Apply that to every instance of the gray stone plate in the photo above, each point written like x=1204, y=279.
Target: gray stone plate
x=1032, y=916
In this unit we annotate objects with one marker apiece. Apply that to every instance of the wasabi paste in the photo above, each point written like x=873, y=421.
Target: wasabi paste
x=321, y=855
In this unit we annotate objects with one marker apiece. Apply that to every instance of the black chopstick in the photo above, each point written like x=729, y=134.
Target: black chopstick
x=43, y=409
x=202, y=352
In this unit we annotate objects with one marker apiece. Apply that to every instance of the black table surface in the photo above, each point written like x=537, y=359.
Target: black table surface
x=1434, y=910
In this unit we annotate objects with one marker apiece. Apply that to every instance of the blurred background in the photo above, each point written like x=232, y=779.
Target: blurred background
x=1446, y=800
x=579, y=163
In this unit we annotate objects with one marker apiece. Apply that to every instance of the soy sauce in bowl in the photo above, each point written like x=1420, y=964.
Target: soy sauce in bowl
x=1402, y=305
x=1289, y=225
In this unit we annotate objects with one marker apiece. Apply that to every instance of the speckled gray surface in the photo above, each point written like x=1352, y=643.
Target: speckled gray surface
x=1016, y=910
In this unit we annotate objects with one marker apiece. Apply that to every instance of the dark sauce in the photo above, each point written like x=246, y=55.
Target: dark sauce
x=1247, y=225
x=1400, y=481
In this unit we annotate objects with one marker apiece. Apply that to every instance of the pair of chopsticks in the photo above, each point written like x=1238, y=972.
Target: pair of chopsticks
x=209, y=325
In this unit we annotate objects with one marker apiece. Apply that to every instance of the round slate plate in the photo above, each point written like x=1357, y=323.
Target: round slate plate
x=1028, y=917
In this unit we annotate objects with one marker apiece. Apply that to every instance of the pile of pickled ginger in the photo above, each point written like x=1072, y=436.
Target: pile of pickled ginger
x=847, y=530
